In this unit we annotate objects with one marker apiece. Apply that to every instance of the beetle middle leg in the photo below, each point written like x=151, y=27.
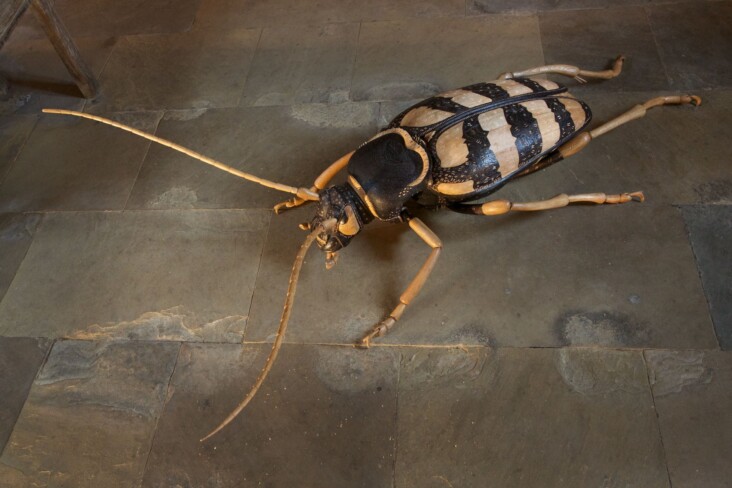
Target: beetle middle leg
x=414, y=287
x=499, y=207
x=320, y=183
x=568, y=70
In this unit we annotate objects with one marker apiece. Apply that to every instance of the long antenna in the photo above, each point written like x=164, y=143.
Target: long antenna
x=290, y=297
x=303, y=193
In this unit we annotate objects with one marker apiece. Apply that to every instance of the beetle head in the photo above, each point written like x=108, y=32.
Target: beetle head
x=341, y=215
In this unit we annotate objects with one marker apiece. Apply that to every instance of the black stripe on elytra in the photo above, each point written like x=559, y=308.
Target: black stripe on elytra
x=524, y=126
x=561, y=115
x=436, y=103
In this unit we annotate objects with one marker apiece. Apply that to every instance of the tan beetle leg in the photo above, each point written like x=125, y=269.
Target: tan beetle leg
x=320, y=183
x=498, y=207
x=414, y=287
x=568, y=70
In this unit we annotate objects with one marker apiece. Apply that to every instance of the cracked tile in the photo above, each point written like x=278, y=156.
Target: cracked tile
x=553, y=418
x=138, y=275
x=324, y=417
x=101, y=398
x=14, y=131
x=16, y=234
x=693, y=395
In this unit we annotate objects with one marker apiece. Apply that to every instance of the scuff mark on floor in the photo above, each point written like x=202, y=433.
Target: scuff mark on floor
x=673, y=371
x=176, y=197
x=173, y=324
x=603, y=328
x=345, y=116
x=600, y=372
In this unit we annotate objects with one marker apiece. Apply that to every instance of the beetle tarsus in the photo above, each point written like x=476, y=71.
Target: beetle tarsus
x=378, y=331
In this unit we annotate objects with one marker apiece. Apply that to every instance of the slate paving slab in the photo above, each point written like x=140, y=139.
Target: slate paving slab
x=477, y=7
x=20, y=360
x=111, y=17
x=675, y=154
x=324, y=417
x=177, y=71
x=290, y=145
x=693, y=396
x=73, y=164
x=16, y=234
x=510, y=417
x=14, y=131
x=38, y=78
x=138, y=275
x=402, y=60
x=694, y=40
x=302, y=64
x=221, y=14
x=591, y=39
x=90, y=416
x=621, y=276
x=710, y=232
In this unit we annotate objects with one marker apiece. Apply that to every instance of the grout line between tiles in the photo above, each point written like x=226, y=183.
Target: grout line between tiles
x=249, y=69
x=256, y=277
x=658, y=419
x=647, y=13
x=142, y=161
x=20, y=150
x=353, y=66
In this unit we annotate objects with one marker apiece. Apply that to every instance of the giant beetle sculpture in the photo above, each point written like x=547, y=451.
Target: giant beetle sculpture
x=458, y=146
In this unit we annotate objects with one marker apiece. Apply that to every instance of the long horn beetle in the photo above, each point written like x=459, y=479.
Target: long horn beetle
x=458, y=147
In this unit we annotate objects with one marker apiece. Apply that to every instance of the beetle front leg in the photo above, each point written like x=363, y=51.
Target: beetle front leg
x=568, y=70
x=414, y=287
x=320, y=183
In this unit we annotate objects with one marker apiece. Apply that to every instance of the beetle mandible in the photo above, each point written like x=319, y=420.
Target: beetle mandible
x=458, y=146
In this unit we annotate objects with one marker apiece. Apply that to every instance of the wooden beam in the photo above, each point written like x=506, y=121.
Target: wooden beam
x=65, y=47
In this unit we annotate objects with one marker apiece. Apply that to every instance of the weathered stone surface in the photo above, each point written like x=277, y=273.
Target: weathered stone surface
x=14, y=131
x=290, y=145
x=324, y=417
x=710, y=231
x=613, y=276
x=695, y=39
x=38, y=77
x=572, y=417
x=693, y=395
x=591, y=39
x=675, y=154
x=138, y=275
x=202, y=70
x=302, y=64
x=20, y=360
x=73, y=164
x=218, y=14
x=403, y=60
x=90, y=416
x=16, y=234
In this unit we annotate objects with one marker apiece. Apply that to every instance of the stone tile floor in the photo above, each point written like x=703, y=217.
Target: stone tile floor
x=580, y=347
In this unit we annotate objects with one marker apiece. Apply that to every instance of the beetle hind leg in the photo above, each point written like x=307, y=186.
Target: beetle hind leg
x=499, y=207
x=578, y=74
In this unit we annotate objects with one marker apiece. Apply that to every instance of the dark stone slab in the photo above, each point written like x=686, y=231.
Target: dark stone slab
x=675, y=154
x=73, y=164
x=403, y=60
x=16, y=234
x=222, y=14
x=710, y=232
x=302, y=64
x=325, y=416
x=14, y=131
x=693, y=396
x=90, y=416
x=476, y=7
x=185, y=276
x=20, y=360
x=695, y=41
x=114, y=18
x=510, y=417
x=38, y=78
x=177, y=71
x=618, y=276
x=290, y=145
x=591, y=39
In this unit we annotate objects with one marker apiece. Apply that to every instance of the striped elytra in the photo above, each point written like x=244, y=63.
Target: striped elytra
x=479, y=136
